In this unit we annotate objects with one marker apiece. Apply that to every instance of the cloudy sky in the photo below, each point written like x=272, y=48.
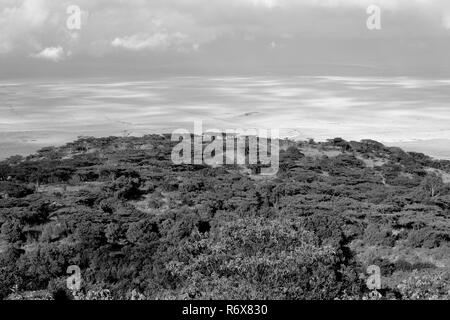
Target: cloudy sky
x=131, y=37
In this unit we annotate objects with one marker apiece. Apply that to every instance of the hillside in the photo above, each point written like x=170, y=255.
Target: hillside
x=140, y=226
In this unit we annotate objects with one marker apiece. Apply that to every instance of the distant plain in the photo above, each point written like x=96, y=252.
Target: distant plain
x=412, y=113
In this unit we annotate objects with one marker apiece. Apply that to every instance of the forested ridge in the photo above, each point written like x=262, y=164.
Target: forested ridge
x=141, y=227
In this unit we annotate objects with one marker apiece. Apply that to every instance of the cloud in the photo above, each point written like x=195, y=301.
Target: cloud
x=225, y=30
x=54, y=54
x=265, y=3
x=28, y=25
x=18, y=20
x=446, y=20
x=157, y=41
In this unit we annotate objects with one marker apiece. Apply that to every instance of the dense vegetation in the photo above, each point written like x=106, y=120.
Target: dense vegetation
x=140, y=226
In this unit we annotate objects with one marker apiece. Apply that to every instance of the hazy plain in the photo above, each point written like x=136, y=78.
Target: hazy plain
x=409, y=112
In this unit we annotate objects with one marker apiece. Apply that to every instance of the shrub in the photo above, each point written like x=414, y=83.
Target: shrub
x=126, y=188
x=143, y=232
x=58, y=289
x=426, y=286
x=108, y=205
x=114, y=233
x=11, y=231
x=53, y=231
x=327, y=227
x=15, y=190
x=90, y=234
x=425, y=237
x=376, y=235
x=260, y=259
x=403, y=265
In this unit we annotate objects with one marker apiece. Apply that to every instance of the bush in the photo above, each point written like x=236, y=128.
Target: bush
x=376, y=235
x=108, y=205
x=126, y=188
x=53, y=231
x=143, y=232
x=403, y=265
x=260, y=259
x=426, y=286
x=425, y=237
x=114, y=233
x=12, y=231
x=15, y=190
x=327, y=227
x=58, y=289
x=90, y=234
x=9, y=275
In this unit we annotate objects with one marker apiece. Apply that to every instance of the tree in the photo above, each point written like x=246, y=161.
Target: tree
x=260, y=259
x=113, y=233
x=143, y=232
x=90, y=234
x=432, y=184
x=12, y=231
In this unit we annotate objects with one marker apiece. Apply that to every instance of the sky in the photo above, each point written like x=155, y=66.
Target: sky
x=132, y=37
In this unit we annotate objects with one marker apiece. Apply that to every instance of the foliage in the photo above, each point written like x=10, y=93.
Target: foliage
x=378, y=235
x=426, y=286
x=141, y=227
